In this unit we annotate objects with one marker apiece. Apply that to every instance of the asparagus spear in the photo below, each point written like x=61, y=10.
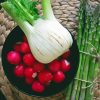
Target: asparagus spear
x=81, y=47
x=84, y=65
x=79, y=43
x=69, y=91
x=94, y=64
x=86, y=62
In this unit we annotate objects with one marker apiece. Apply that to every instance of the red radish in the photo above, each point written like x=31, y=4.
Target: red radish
x=59, y=77
x=29, y=80
x=54, y=66
x=65, y=65
x=25, y=47
x=24, y=38
x=19, y=70
x=37, y=87
x=17, y=47
x=38, y=67
x=29, y=73
x=13, y=57
x=66, y=54
x=45, y=77
x=28, y=59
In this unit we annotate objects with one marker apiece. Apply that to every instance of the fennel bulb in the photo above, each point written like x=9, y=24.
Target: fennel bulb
x=47, y=38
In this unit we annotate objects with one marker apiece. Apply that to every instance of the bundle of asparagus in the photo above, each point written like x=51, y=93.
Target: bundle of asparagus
x=88, y=42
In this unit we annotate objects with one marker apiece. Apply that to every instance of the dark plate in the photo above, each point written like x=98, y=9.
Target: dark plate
x=16, y=35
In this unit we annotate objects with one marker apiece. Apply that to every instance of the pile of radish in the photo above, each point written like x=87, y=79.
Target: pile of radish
x=37, y=74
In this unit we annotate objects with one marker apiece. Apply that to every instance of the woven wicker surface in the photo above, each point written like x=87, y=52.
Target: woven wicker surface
x=66, y=13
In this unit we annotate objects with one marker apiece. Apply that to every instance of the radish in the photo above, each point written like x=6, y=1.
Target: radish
x=24, y=47
x=37, y=87
x=17, y=47
x=54, y=66
x=29, y=72
x=28, y=59
x=59, y=77
x=66, y=54
x=38, y=67
x=19, y=70
x=13, y=57
x=45, y=77
x=65, y=65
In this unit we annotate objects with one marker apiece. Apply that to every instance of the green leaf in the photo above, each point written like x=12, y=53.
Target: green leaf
x=30, y=6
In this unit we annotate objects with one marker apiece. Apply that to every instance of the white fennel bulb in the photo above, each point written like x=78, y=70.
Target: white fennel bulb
x=47, y=38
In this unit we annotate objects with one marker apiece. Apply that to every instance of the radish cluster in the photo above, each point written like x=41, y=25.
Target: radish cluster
x=37, y=74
